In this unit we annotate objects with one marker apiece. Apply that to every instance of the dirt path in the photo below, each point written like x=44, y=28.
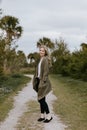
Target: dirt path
x=24, y=96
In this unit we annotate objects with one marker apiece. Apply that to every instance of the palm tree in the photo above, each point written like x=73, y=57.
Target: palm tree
x=84, y=46
x=34, y=58
x=31, y=57
x=11, y=26
x=45, y=41
x=12, y=31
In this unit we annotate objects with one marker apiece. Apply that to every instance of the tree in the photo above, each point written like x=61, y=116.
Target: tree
x=45, y=41
x=16, y=61
x=22, y=60
x=34, y=58
x=60, y=56
x=77, y=67
x=30, y=57
x=60, y=49
x=2, y=55
x=11, y=26
x=12, y=31
x=83, y=46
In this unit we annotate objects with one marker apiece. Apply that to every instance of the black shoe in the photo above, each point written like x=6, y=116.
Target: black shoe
x=41, y=119
x=47, y=121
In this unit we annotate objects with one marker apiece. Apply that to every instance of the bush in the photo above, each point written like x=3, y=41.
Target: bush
x=16, y=75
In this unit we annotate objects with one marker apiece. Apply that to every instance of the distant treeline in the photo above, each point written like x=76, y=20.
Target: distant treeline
x=70, y=64
x=64, y=62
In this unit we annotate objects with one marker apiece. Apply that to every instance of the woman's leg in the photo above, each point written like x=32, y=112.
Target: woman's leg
x=44, y=106
x=44, y=109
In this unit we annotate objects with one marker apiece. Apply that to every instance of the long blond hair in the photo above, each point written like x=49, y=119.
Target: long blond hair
x=47, y=54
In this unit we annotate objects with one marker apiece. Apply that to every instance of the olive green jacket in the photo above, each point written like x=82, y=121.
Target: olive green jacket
x=44, y=86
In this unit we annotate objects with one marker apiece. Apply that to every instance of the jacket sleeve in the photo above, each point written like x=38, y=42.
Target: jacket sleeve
x=46, y=70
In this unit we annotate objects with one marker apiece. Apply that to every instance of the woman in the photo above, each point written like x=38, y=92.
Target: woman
x=42, y=85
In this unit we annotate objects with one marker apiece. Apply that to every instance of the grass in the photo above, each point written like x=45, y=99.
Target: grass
x=28, y=70
x=71, y=103
x=8, y=88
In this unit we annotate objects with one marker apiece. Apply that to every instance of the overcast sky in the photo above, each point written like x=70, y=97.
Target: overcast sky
x=49, y=18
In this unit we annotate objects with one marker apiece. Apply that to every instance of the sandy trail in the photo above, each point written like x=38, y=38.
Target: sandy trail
x=27, y=94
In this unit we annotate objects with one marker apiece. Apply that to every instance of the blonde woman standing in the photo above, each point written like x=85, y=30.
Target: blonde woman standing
x=42, y=85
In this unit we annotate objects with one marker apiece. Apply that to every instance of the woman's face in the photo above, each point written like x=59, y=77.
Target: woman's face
x=42, y=52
